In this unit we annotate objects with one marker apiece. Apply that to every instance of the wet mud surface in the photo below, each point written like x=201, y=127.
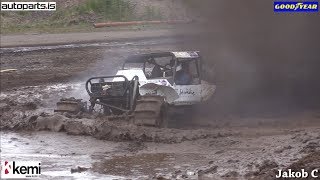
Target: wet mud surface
x=57, y=64
x=58, y=153
x=92, y=147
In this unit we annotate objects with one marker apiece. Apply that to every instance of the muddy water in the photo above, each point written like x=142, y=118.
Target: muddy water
x=58, y=153
x=61, y=155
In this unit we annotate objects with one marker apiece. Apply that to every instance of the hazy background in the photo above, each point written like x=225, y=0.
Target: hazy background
x=265, y=63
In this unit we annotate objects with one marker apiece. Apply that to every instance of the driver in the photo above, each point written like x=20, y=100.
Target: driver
x=183, y=75
x=156, y=71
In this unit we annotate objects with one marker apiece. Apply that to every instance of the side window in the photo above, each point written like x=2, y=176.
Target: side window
x=193, y=68
x=187, y=73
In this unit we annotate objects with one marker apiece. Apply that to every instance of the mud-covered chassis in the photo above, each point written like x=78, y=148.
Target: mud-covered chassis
x=121, y=97
x=145, y=96
x=115, y=97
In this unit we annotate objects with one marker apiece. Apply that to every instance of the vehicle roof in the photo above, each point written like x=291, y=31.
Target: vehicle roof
x=141, y=58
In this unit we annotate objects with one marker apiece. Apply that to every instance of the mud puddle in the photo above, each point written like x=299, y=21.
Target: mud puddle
x=151, y=165
x=58, y=153
x=84, y=45
x=79, y=157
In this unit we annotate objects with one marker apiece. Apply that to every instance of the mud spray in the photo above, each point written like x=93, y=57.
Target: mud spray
x=265, y=64
x=103, y=65
x=111, y=58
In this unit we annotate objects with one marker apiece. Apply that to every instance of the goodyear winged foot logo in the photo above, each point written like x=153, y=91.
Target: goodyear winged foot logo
x=294, y=6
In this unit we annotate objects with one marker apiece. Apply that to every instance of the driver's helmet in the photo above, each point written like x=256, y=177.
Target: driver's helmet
x=179, y=67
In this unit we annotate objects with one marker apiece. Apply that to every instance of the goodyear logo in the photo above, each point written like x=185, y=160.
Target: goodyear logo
x=306, y=6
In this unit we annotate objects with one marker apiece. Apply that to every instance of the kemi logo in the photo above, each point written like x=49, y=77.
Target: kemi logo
x=291, y=6
x=20, y=169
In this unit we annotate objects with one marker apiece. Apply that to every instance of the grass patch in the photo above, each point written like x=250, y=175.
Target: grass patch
x=76, y=18
x=151, y=13
x=112, y=10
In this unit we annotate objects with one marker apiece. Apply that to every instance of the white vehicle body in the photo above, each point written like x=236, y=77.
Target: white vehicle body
x=178, y=95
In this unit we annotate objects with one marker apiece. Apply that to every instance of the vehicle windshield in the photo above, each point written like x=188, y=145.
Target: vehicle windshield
x=156, y=67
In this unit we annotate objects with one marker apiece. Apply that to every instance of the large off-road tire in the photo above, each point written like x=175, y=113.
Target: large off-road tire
x=151, y=111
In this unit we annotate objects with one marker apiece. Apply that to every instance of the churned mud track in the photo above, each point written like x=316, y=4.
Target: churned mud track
x=72, y=62
x=49, y=66
x=223, y=148
x=243, y=155
x=144, y=153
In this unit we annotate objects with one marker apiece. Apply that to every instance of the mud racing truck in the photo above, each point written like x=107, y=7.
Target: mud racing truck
x=147, y=85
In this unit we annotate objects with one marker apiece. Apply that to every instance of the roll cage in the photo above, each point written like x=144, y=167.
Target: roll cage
x=176, y=59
